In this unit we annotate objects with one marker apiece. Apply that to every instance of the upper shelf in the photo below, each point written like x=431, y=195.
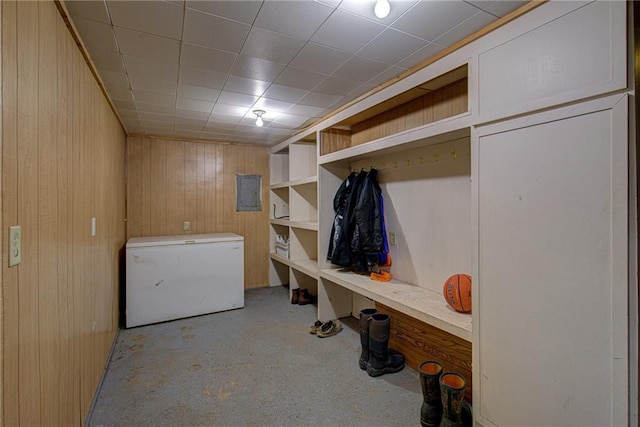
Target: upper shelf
x=420, y=303
x=279, y=185
x=444, y=130
x=304, y=181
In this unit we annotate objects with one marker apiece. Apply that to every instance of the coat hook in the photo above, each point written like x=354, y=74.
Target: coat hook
x=395, y=164
x=408, y=162
x=436, y=157
x=454, y=155
x=384, y=166
x=421, y=160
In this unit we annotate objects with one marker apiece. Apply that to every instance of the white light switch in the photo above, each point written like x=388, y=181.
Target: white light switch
x=93, y=226
x=15, y=249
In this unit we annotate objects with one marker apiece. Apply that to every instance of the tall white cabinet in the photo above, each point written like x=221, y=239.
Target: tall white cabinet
x=529, y=186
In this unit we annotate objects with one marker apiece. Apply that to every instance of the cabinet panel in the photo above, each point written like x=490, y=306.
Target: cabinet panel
x=578, y=55
x=551, y=297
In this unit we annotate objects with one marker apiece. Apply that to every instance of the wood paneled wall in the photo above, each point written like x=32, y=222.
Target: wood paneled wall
x=169, y=182
x=441, y=103
x=63, y=162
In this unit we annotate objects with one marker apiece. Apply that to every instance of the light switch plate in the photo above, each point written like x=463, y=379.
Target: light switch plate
x=93, y=226
x=392, y=238
x=186, y=226
x=15, y=247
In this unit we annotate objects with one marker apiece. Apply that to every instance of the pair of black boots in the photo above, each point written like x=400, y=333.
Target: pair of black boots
x=376, y=356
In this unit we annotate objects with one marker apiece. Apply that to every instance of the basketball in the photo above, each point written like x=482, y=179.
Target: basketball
x=457, y=292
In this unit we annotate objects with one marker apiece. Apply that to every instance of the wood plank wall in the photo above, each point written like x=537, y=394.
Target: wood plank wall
x=63, y=162
x=445, y=102
x=169, y=182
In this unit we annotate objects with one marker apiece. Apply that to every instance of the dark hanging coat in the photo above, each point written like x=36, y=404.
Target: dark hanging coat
x=367, y=238
x=339, y=247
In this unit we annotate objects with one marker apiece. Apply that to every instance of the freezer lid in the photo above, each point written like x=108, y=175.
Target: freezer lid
x=183, y=239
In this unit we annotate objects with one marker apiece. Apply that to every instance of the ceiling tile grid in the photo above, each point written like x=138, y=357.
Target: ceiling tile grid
x=198, y=69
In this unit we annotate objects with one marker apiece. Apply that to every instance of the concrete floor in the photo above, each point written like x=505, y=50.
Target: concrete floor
x=257, y=366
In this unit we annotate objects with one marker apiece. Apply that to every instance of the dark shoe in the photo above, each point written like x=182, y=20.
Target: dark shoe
x=304, y=297
x=313, y=329
x=329, y=328
x=295, y=296
x=364, y=335
x=381, y=361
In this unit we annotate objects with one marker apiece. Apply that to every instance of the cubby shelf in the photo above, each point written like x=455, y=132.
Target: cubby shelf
x=444, y=130
x=304, y=181
x=283, y=222
x=279, y=258
x=279, y=185
x=306, y=225
x=420, y=303
x=307, y=266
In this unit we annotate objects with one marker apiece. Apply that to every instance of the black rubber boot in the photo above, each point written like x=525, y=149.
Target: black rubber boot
x=364, y=335
x=381, y=361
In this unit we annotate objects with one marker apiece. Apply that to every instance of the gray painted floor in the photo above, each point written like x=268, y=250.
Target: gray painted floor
x=257, y=366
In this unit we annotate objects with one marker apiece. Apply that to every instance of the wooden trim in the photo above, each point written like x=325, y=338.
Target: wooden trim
x=62, y=9
x=206, y=141
x=418, y=341
x=467, y=40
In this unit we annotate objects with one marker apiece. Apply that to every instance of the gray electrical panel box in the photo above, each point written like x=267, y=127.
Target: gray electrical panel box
x=249, y=193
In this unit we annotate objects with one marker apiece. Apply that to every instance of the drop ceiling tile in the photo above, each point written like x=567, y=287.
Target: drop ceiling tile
x=206, y=58
x=151, y=68
x=297, y=19
x=430, y=19
x=155, y=108
x=480, y=4
x=365, y=9
x=135, y=130
x=140, y=83
x=318, y=58
x=194, y=104
x=360, y=90
x=256, y=68
x=306, y=110
x=391, y=46
x=285, y=93
x=213, y=126
x=186, y=121
x=337, y=86
x=272, y=106
x=230, y=110
x=107, y=60
x=230, y=119
x=332, y=3
x=124, y=105
x=120, y=93
x=132, y=122
x=421, y=55
x=153, y=17
x=96, y=34
x=233, y=98
x=291, y=120
x=112, y=79
x=135, y=43
x=386, y=75
x=198, y=92
x=271, y=46
x=213, y=31
x=359, y=69
x=300, y=79
x=156, y=117
x=129, y=114
x=316, y=99
x=248, y=123
x=193, y=114
x=199, y=77
x=158, y=124
x=154, y=98
x=188, y=134
x=242, y=11
x=504, y=7
x=94, y=10
x=468, y=27
x=248, y=86
x=346, y=32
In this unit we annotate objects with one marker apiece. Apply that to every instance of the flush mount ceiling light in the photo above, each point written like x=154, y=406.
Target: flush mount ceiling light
x=259, y=114
x=382, y=8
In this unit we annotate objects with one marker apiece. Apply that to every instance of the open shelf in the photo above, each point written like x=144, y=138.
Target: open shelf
x=283, y=222
x=420, y=303
x=306, y=225
x=448, y=129
x=304, y=181
x=279, y=258
x=307, y=266
x=279, y=185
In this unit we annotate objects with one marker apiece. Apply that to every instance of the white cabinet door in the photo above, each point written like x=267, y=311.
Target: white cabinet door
x=551, y=282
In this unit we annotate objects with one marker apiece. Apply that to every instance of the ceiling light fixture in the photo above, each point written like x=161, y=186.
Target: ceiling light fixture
x=382, y=8
x=259, y=114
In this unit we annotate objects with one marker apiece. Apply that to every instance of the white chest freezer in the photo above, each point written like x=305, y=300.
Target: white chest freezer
x=172, y=277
